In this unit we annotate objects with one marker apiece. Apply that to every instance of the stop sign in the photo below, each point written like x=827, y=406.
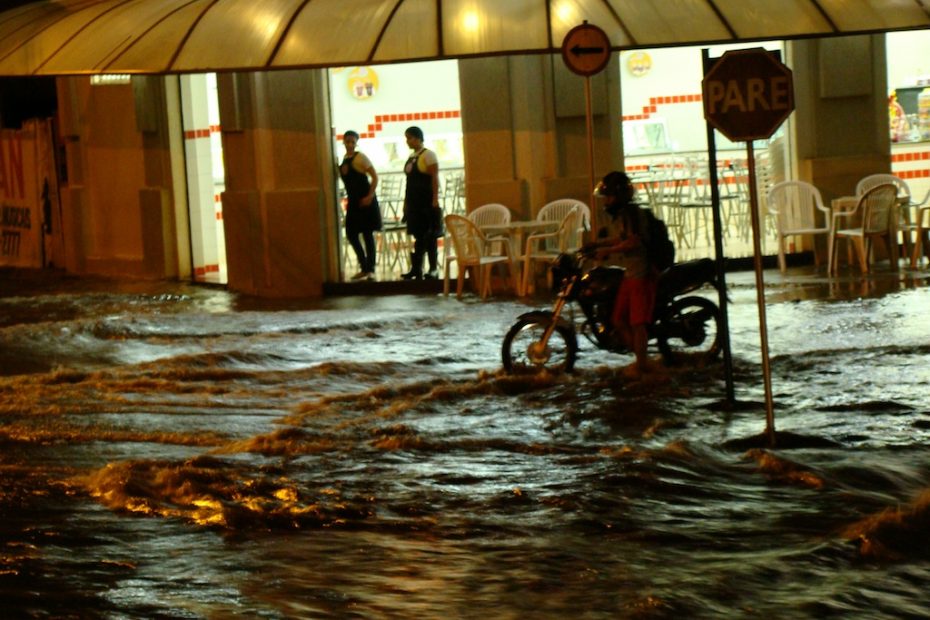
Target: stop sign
x=748, y=94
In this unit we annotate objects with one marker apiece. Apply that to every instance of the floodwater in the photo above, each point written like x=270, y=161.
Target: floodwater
x=169, y=451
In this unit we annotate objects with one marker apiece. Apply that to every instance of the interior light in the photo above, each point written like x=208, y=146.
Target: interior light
x=470, y=21
x=565, y=12
x=110, y=79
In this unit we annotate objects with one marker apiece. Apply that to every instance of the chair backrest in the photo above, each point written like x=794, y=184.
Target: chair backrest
x=874, y=180
x=570, y=230
x=878, y=208
x=556, y=211
x=391, y=186
x=466, y=238
x=453, y=192
x=492, y=213
x=794, y=205
x=665, y=193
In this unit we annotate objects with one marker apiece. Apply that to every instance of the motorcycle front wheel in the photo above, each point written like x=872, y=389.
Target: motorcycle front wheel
x=523, y=351
x=689, y=330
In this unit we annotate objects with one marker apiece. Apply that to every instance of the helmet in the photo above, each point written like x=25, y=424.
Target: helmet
x=616, y=184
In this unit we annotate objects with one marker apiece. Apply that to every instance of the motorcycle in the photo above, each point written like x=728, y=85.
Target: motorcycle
x=683, y=327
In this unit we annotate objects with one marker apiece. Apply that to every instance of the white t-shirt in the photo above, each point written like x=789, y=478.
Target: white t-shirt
x=427, y=159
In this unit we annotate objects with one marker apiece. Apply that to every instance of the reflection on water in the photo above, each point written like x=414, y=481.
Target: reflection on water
x=170, y=451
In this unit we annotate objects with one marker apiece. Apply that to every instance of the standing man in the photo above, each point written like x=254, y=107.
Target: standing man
x=363, y=215
x=421, y=205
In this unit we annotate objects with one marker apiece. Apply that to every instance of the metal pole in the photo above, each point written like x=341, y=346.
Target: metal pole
x=760, y=295
x=718, y=249
x=589, y=126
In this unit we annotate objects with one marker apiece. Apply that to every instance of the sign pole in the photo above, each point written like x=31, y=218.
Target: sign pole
x=760, y=295
x=747, y=94
x=589, y=127
x=718, y=250
x=586, y=51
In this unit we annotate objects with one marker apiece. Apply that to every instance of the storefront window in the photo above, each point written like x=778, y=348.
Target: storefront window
x=665, y=151
x=379, y=103
x=908, y=57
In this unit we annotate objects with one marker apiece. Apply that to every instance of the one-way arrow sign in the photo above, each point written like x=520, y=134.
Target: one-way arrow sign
x=586, y=49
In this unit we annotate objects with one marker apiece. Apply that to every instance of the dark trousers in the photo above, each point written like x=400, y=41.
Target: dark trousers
x=366, y=254
x=424, y=245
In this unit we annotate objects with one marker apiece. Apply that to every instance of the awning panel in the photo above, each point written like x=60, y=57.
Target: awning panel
x=167, y=33
x=53, y=30
x=755, y=19
x=412, y=33
x=569, y=13
x=55, y=37
x=236, y=33
x=667, y=22
x=352, y=32
x=108, y=34
x=492, y=26
x=873, y=15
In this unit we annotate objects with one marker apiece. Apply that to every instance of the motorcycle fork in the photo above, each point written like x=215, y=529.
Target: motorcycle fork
x=560, y=302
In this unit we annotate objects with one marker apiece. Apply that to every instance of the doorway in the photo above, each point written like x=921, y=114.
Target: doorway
x=206, y=178
x=380, y=103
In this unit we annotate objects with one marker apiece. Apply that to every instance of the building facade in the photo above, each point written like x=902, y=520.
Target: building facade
x=124, y=198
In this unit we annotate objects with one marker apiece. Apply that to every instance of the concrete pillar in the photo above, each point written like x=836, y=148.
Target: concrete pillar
x=841, y=115
x=523, y=119
x=206, y=246
x=278, y=207
x=117, y=210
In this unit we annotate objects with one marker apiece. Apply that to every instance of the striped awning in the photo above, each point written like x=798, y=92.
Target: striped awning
x=60, y=37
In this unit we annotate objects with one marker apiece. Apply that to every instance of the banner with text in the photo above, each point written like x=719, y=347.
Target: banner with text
x=20, y=215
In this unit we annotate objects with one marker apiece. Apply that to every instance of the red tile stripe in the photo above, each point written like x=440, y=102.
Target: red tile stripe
x=193, y=134
x=377, y=126
x=899, y=160
x=655, y=102
x=913, y=174
x=915, y=156
x=202, y=271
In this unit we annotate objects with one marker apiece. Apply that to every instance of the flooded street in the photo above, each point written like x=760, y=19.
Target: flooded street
x=174, y=451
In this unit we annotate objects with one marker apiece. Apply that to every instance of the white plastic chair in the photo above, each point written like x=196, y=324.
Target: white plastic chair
x=492, y=213
x=471, y=253
x=921, y=230
x=556, y=210
x=876, y=208
x=795, y=206
x=545, y=247
x=905, y=223
x=874, y=180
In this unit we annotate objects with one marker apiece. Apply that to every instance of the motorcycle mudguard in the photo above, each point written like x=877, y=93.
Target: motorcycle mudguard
x=544, y=316
x=685, y=277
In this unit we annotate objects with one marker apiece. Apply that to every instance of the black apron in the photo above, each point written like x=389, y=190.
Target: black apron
x=422, y=219
x=358, y=218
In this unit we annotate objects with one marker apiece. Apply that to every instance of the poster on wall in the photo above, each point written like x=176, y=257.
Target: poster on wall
x=28, y=195
x=53, y=253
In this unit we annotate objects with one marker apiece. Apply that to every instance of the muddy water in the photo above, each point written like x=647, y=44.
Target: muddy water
x=178, y=452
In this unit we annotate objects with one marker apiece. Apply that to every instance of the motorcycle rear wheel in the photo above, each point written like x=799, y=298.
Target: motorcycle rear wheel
x=689, y=329
x=522, y=352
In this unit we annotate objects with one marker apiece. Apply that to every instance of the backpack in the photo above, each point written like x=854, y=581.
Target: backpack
x=660, y=251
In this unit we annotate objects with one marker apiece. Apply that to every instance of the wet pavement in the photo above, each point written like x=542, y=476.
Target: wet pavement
x=178, y=451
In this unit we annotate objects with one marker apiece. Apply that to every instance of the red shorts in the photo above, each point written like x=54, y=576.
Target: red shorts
x=635, y=302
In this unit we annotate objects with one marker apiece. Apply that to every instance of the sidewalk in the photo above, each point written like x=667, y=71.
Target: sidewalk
x=812, y=282
x=804, y=281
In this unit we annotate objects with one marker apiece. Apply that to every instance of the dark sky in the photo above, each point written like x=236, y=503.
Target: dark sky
x=11, y=4
x=22, y=98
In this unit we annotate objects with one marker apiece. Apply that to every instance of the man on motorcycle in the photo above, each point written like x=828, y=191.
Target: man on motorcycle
x=623, y=242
